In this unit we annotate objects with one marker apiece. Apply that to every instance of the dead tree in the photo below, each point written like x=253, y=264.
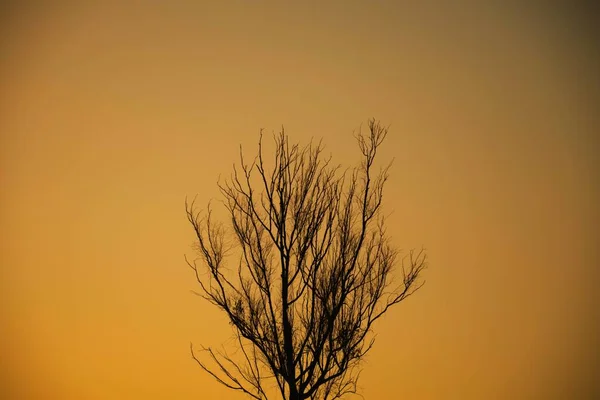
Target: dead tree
x=314, y=272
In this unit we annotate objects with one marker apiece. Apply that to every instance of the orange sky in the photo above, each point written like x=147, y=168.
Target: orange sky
x=111, y=114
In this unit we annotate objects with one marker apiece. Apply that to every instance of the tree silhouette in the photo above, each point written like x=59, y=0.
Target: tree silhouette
x=314, y=270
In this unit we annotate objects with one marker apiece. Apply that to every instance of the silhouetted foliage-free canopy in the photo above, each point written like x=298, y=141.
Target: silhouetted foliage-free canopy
x=314, y=271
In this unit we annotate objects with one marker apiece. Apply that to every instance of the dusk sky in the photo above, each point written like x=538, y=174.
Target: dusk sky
x=111, y=113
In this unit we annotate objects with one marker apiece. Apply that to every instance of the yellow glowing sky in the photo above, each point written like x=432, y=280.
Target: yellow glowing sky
x=111, y=114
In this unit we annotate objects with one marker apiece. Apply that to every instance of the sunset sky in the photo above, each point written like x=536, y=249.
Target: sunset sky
x=111, y=113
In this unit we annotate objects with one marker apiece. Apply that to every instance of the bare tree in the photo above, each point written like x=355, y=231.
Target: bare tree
x=314, y=270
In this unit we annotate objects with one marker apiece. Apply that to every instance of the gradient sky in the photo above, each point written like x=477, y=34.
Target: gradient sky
x=111, y=114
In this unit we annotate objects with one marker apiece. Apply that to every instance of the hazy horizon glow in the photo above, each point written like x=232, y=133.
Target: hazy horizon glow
x=110, y=115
